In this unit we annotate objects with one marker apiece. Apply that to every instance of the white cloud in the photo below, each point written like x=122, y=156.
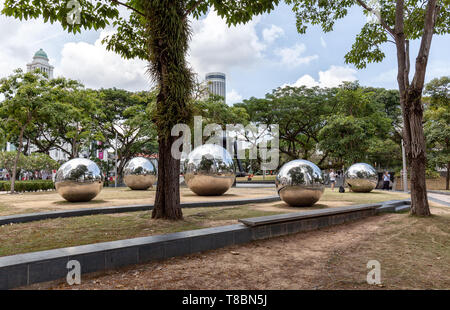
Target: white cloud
x=323, y=43
x=292, y=56
x=233, y=97
x=332, y=77
x=96, y=67
x=216, y=47
x=272, y=33
x=20, y=40
x=336, y=75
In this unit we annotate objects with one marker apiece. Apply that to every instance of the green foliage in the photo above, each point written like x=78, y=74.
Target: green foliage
x=345, y=138
x=7, y=160
x=33, y=162
x=28, y=186
x=215, y=110
x=437, y=122
x=127, y=115
x=68, y=119
x=432, y=174
x=338, y=125
x=373, y=36
x=38, y=162
x=288, y=107
x=25, y=97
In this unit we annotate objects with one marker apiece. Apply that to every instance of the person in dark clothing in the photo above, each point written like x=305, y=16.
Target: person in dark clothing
x=386, y=180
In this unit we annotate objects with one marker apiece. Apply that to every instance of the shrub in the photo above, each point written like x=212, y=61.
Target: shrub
x=28, y=186
x=432, y=174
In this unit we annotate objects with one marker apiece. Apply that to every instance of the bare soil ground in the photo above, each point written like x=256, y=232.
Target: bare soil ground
x=51, y=201
x=414, y=254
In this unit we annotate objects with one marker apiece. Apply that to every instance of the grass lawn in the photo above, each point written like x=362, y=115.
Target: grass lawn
x=64, y=232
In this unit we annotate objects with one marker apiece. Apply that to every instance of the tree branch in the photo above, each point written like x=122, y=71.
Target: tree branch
x=188, y=12
x=127, y=6
x=422, y=57
x=382, y=21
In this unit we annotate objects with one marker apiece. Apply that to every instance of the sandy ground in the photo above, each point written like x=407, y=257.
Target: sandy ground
x=50, y=201
x=332, y=258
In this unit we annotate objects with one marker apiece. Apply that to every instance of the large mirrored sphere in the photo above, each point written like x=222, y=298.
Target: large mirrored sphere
x=78, y=180
x=209, y=170
x=361, y=177
x=300, y=183
x=140, y=173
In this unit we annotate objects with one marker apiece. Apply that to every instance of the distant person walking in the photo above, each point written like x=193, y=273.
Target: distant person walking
x=386, y=180
x=332, y=179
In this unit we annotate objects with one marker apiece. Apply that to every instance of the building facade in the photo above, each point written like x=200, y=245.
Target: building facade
x=216, y=83
x=40, y=61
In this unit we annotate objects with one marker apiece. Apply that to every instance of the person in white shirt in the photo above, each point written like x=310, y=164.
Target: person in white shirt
x=386, y=180
x=332, y=179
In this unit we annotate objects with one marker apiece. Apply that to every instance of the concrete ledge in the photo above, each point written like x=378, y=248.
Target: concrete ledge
x=403, y=208
x=439, y=192
x=288, y=217
x=442, y=202
x=25, y=269
x=38, y=216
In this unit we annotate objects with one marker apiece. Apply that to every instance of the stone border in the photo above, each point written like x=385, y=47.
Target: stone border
x=439, y=192
x=38, y=216
x=29, y=268
x=442, y=202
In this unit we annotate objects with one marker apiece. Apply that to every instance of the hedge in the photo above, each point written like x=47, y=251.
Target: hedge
x=27, y=186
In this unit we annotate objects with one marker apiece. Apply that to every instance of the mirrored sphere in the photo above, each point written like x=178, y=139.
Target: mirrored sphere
x=209, y=170
x=300, y=183
x=79, y=179
x=361, y=177
x=140, y=173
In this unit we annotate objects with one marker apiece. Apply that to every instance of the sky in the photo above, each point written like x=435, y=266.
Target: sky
x=257, y=57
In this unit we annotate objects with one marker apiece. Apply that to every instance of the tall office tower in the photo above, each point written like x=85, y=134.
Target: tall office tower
x=40, y=61
x=216, y=83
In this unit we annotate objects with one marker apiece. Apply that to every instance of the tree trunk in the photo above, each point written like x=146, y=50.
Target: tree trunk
x=410, y=101
x=168, y=31
x=447, y=179
x=16, y=160
x=167, y=201
x=415, y=153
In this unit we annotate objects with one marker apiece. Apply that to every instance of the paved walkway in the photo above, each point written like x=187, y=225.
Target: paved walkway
x=439, y=198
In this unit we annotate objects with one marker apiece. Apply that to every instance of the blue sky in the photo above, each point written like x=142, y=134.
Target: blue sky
x=257, y=57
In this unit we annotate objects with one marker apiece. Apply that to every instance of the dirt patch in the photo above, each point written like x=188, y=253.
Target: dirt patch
x=411, y=257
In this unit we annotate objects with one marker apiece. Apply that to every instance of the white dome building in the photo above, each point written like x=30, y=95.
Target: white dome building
x=40, y=61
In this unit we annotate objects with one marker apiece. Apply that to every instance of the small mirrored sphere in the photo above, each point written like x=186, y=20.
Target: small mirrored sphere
x=209, y=170
x=300, y=183
x=78, y=180
x=361, y=177
x=140, y=173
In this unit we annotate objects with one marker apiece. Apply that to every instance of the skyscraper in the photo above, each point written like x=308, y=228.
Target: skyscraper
x=40, y=61
x=216, y=83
